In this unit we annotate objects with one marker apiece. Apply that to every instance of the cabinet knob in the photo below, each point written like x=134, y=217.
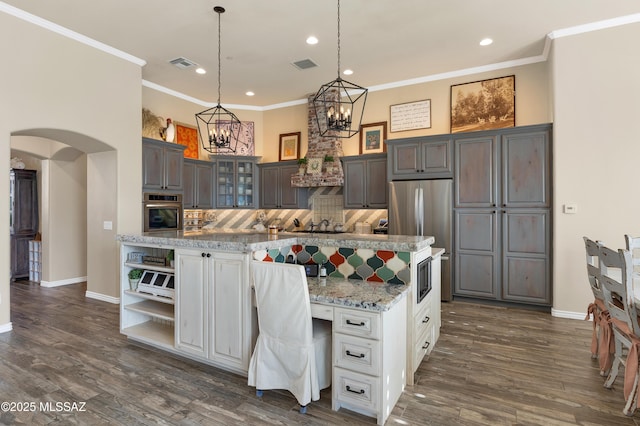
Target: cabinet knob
x=203, y=254
x=208, y=254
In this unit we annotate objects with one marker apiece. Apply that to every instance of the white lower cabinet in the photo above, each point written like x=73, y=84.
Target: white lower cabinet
x=369, y=353
x=213, y=307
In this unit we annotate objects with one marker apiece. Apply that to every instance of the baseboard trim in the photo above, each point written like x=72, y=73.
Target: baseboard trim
x=567, y=314
x=63, y=282
x=103, y=297
x=4, y=328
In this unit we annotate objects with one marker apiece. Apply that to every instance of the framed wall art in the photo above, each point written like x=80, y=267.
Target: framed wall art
x=372, y=137
x=410, y=116
x=246, y=142
x=188, y=136
x=289, y=146
x=483, y=105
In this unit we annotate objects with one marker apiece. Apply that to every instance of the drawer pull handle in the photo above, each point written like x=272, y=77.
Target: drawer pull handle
x=426, y=319
x=426, y=345
x=360, y=392
x=355, y=355
x=360, y=324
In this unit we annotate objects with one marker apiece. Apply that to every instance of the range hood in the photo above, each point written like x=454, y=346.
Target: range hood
x=319, y=147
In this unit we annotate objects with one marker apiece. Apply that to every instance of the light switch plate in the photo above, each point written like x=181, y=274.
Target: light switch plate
x=107, y=225
x=570, y=209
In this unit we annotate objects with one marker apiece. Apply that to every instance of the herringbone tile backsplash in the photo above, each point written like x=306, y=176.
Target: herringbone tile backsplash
x=246, y=219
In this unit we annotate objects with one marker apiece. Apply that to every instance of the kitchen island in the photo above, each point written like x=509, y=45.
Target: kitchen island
x=209, y=316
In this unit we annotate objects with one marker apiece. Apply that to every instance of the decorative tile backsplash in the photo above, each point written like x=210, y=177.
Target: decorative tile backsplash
x=359, y=264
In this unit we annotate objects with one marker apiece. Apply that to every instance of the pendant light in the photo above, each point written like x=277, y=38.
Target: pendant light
x=339, y=104
x=218, y=127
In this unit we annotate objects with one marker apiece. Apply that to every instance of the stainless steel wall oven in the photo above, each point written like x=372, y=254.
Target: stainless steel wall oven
x=162, y=212
x=423, y=286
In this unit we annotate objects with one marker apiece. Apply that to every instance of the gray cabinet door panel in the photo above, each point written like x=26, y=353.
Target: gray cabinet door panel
x=269, y=187
x=152, y=167
x=526, y=170
x=204, y=186
x=188, y=196
x=290, y=197
x=525, y=280
x=526, y=232
x=476, y=275
x=476, y=230
x=377, y=183
x=475, y=171
x=355, y=193
x=406, y=158
x=437, y=156
x=174, y=160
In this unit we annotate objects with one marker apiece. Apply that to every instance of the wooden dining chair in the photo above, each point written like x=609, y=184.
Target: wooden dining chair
x=617, y=287
x=602, y=343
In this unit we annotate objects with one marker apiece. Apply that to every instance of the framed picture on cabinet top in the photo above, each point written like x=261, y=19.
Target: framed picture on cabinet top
x=289, y=146
x=483, y=105
x=372, y=137
x=188, y=136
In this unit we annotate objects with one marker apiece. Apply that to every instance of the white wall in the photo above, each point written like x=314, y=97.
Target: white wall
x=64, y=221
x=58, y=88
x=596, y=90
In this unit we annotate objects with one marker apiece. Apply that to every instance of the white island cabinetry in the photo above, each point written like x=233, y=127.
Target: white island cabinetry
x=213, y=307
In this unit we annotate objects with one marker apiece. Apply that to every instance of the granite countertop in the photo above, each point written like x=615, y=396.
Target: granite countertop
x=368, y=295
x=249, y=240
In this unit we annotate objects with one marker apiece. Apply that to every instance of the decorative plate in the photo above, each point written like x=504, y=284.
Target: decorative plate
x=314, y=165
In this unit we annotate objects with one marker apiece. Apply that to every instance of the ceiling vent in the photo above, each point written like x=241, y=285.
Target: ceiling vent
x=182, y=63
x=304, y=64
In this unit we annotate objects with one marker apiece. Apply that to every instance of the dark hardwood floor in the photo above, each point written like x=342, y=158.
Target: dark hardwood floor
x=492, y=366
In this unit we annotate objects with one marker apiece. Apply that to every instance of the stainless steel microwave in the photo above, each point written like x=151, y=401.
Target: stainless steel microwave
x=162, y=212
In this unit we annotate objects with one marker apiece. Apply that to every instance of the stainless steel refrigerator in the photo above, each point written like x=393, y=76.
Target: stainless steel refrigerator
x=424, y=207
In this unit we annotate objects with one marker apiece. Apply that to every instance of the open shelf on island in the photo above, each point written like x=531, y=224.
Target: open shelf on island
x=161, y=299
x=152, y=332
x=150, y=267
x=149, y=307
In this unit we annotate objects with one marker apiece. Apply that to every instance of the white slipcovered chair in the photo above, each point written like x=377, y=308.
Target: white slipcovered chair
x=292, y=352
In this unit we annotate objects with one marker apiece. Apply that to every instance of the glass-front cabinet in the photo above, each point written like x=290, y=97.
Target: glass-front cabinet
x=236, y=181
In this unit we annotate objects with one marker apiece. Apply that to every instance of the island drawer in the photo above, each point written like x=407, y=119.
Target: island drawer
x=423, y=319
x=424, y=344
x=323, y=312
x=357, y=323
x=358, y=390
x=357, y=354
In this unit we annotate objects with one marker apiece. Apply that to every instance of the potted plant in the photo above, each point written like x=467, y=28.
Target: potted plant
x=170, y=255
x=134, y=278
x=328, y=163
x=302, y=165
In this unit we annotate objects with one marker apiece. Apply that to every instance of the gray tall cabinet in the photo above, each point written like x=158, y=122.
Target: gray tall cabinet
x=23, y=218
x=502, y=212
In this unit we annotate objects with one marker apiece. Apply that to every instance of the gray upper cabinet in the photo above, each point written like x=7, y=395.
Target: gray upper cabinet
x=276, y=191
x=503, y=215
x=198, y=184
x=420, y=158
x=365, y=181
x=162, y=165
x=527, y=169
x=476, y=171
x=236, y=183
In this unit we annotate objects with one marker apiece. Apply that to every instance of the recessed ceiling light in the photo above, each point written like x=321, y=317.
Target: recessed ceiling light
x=485, y=42
x=312, y=40
x=347, y=72
x=249, y=93
x=201, y=71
